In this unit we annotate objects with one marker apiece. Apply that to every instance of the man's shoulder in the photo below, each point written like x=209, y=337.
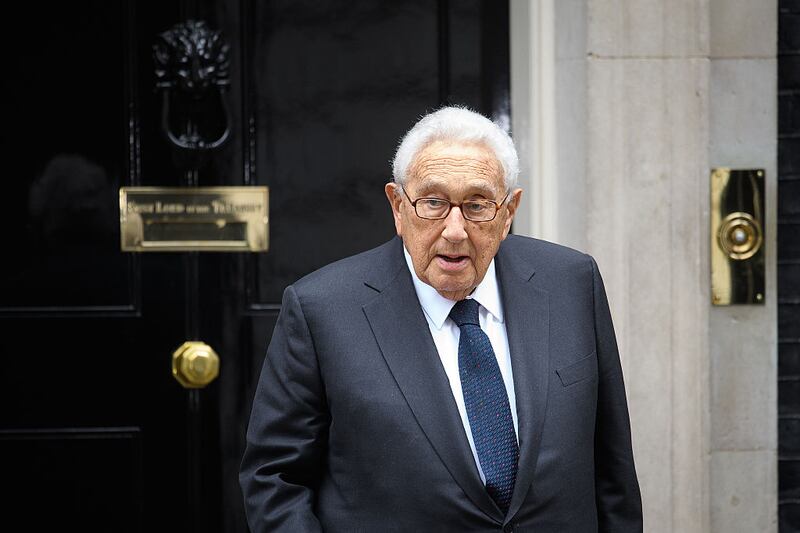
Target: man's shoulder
x=556, y=267
x=542, y=253
x=350, y=273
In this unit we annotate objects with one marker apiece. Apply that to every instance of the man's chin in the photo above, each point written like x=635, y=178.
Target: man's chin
x=452, y=289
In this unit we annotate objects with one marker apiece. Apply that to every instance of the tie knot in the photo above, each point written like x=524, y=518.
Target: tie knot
x=465, y=312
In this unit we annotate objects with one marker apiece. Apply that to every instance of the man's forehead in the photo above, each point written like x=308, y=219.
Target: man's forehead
x=441, y=164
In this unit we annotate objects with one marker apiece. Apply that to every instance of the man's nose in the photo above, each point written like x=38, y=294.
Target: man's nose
x=455, y=226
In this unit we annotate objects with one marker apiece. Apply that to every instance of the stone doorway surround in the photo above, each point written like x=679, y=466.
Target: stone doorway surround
x=620, y=109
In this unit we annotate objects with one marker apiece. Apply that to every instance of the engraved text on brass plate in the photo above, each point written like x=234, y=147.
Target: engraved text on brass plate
x=180, y=219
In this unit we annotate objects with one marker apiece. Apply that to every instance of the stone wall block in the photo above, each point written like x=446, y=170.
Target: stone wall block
x=739, y=503
x=743, y=28
x=648, y=28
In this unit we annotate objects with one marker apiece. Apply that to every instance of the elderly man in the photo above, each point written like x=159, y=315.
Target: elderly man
x=453, y=379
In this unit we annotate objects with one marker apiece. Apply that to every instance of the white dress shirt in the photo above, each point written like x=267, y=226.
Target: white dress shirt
x=446, y=334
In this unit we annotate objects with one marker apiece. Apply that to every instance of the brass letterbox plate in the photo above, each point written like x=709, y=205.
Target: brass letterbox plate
x=184, y=219
x=737, y=236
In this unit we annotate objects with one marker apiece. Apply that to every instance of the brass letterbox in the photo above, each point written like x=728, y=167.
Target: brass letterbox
x=180, y=219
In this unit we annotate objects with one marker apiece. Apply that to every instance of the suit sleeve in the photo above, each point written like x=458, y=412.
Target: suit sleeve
x=287, y=433
x=619, y=503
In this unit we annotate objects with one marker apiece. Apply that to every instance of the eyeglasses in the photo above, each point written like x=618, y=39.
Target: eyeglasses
x=438, y=208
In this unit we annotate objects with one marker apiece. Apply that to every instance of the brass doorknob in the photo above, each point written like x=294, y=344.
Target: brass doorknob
x=195, y=364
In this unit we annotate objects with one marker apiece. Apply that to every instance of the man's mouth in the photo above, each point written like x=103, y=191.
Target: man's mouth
x=452, y=262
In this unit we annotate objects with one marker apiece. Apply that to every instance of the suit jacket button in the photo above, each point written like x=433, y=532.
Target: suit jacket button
x=508, y=529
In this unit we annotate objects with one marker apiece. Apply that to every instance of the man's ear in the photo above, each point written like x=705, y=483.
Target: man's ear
x=393, y=195
x=512, y=205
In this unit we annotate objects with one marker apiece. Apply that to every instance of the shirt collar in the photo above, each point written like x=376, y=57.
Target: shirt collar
x=437, y=307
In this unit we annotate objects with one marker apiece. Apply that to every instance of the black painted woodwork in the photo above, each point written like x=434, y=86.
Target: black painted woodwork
x=789, y=266
x=95, y=434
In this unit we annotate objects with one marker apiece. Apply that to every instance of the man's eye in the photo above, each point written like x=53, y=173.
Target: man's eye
x=433, y=203
x=475, y=207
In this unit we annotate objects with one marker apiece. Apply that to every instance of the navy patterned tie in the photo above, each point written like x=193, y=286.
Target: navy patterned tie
x=487, y=404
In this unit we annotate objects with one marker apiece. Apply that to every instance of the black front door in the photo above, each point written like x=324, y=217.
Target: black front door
x=95, y=433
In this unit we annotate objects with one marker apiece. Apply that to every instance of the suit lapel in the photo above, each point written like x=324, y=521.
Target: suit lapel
x=526, y=310
x=399, y=325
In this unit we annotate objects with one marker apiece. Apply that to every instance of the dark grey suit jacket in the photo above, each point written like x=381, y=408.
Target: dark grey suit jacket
x=354, y=426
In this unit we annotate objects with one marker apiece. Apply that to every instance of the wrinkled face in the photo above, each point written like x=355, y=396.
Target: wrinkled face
x=452, y=254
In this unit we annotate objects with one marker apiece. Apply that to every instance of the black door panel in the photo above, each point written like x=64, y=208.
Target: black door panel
x=95, y=434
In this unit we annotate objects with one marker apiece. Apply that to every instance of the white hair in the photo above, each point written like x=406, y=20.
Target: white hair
x=456, y=124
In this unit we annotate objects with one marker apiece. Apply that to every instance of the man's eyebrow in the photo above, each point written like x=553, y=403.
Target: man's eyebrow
x=426, y=184
x=429, y=184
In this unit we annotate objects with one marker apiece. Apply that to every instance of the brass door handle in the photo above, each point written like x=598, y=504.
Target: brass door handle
x=195, y=364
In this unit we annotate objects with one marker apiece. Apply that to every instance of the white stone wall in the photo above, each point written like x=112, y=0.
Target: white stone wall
x=648, y=95
x=743, y=345
x=647, y=181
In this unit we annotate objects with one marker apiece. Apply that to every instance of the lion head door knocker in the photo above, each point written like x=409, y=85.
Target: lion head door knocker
x=192, y=73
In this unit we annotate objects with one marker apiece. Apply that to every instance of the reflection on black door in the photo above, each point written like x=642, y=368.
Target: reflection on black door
x=95, y=434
